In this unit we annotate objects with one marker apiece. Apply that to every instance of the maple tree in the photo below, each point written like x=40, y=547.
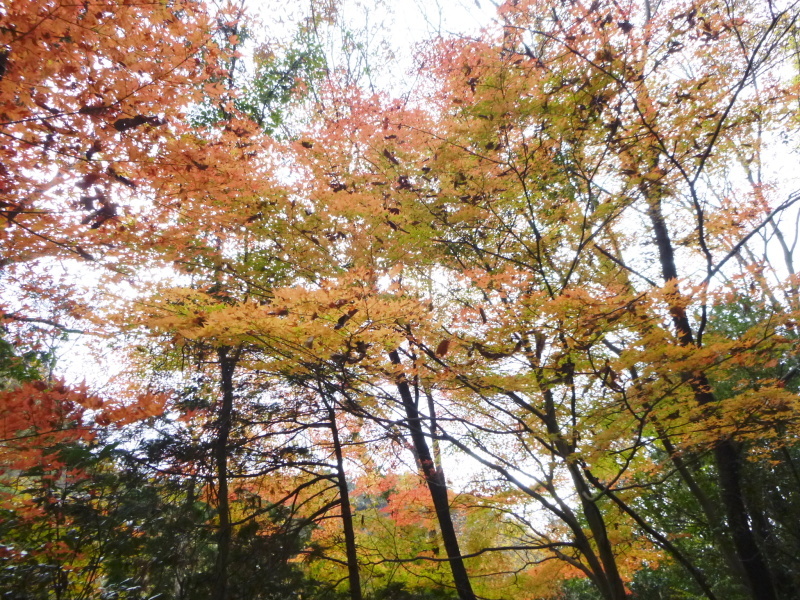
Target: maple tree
x=84, y=112
x=98, y=156
x=520, y=188
x=446, y=195
x=554, y=262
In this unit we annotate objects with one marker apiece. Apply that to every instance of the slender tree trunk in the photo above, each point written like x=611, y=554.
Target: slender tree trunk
x=437, y=486
x=607, y=575
x=661, y=540
x=709, y=510
x=347, y=514
x=433, y=534
x=227, y=365
x=612, y=586
x=727, y=454
x=437, y=454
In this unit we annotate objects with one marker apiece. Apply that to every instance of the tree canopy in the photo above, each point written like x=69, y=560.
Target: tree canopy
x=527, y=329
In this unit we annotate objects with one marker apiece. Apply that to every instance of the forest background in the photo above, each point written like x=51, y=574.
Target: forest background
x=290, y=310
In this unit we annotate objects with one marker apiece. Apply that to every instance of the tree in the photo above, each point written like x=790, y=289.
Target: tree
x=540, y=152
x=545, y=263
x=103, y=162
x=85, y=117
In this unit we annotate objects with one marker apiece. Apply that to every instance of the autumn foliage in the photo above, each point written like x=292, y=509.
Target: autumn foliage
x=529, y=330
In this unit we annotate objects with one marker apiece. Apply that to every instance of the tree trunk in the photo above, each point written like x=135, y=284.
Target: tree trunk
x=347, y=514
x=708, y=508
x=227, y=365
x=727, y=455
x=437, y=486
x=607, y=577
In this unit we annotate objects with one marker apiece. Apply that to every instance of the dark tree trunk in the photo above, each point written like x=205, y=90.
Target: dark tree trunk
x=347, y=514
x=614, y=586
x=227, y=365
x=603, y=563
x=437, y=486
x=727, y=455
x=708, y=509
